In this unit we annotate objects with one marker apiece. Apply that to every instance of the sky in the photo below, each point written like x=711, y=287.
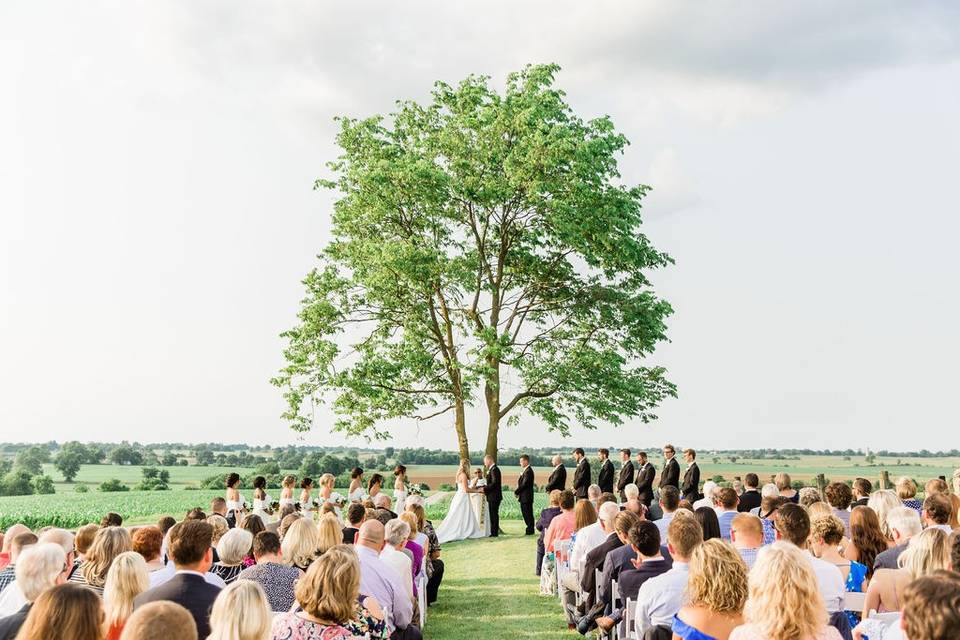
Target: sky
x=157, y=212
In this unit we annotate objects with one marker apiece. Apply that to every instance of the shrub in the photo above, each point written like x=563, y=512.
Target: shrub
x=81, y=488
x=112, y=485
x=43, y=485
x=16, y=483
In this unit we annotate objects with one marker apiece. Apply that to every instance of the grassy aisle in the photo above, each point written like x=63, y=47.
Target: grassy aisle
x=489, y=590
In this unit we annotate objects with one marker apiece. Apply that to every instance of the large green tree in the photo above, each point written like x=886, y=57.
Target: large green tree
x=484, y=248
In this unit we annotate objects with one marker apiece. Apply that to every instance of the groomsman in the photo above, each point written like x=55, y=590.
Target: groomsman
x=557, y=479
x=494, y=493
x=690, y=488
x=605, y=477
x=626, y=473
x=646, y=473
x=581, y=476
x=670, y=476
x=524, y=492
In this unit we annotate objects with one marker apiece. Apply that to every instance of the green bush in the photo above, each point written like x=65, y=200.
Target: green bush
x=43, y=485
x=81, y=488
x=16, y=483
x=112, y=485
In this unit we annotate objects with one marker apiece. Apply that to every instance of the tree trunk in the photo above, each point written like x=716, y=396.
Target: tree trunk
x=491, y=392
x=460, y=422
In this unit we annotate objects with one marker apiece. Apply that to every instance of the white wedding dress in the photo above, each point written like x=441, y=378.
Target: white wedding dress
x=461, y=521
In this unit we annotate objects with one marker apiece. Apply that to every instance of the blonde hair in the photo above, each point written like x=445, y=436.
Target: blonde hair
x=882, y=502
x=828, y=528
x=127, y=578
x=109, y=543
x=925, y=554
x=329, y=533
x=782, y=480
x=67, y=612
x=819, y=510
x=299, y=545
x=718, y=577
x=411, y=519
x=555, y=498
x=331, y=586
x=289, y=481
x=906, y=488
x=327, y=479
x=240, y=612
x=233, y=546
x=220, y=527
x=784, y=597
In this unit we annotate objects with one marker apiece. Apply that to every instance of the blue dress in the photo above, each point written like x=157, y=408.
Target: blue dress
x=858, y=573
x=687, y=632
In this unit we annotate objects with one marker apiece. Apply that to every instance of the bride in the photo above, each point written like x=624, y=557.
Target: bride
x=461, y=521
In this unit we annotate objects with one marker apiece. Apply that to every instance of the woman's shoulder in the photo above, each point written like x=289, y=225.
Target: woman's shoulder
x=747, y=632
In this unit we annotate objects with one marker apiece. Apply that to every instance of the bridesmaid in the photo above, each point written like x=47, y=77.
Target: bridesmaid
x=286, y=492
x=373, y=487
x=235, y=501
x=355, y=494
x=306, y=504
x=261, y=500
x=400, y=487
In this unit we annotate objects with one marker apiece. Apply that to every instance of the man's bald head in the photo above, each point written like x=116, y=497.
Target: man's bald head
x=371, y=535
x=12, y=532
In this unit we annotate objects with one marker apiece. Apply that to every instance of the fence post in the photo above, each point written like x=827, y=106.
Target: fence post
x=821, y=483
x=884, y=479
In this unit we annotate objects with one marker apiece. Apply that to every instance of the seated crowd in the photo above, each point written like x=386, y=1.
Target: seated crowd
x=224, y=576
x=752, y=562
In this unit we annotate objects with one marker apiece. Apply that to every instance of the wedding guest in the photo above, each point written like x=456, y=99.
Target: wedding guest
x=416, y=544
x=809, y=496
x=12, y=532
x=649, y=562
x=84, y=538
x=595, y=557
x=334, y=602
x=286, y=523
x=231, y=550
x=166, y=523
x=543, y=523
x=935, y=486
x=396, y=533
x=197, y=514
x=126, y=579
x=218, y=507
x=605, y=474
x=818, y=509
x=356, y=514
x=631, y=492
x=750, y=498
x=109, y=543
x=65, y=612
x=882, y=502
x=690, y=486
x=926, y=554
x=785, y=487
x=581, y=475
x=619, y=559
x=434, y=563
x=793, y=525
x=625, y=476
x=383, y=503
x=709, y=496
x=220, y=527
x=907, y=493
x=147, y=541
x=253, y=523
x=746, y=534
x=593, y=495
x=936, y=512
x=709, y=522
x=18, y=545
x=861, y=492
x=728, y=507
x=669, y=503
x=839, y=496
x=240, y=612
x=558, y=477
x=636, y=507
x=931, y=606
x=585, y=516
x=866, y=539
x=299, y=544
x=715, y=594
x=659, y=598
x=670, y=475
x=39, y=568
x=768, y=512
x=564, y=524
x=329, y=533
x=192, y=558
x=826, y=535
x=275, y=577
x=783, y=599
x=590, y=531
x=768, y=492
x=160, y=621
x=904, y=524
x=112, y=520
x=379, y=580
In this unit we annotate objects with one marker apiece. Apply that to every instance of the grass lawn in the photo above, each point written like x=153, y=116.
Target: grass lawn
x=489, y=590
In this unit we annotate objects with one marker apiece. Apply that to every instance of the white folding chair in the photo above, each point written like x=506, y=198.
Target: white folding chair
x=614, y=593
x=854, y=601
x=629, y=611
x=562, y=555
x=422, y=597
x=597, y=576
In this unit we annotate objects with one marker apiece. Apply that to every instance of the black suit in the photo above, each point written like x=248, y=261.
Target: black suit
x=494, y=493
x=190, y=591
x=524, y=493
x=581, y=479
x=557, y=479
x=670, y=476
x=749, y=499
x=618, y=561
x=594, y=560
x=630, y=581
x=645, y=477
x=605, y=477
x=626, y=477
x=10, y=625
x=690, y=488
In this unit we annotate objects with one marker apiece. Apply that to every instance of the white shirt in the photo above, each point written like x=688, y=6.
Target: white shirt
x=400, y=563
x=12, y=600
x=663, y=524
x=588, y=538
x=661, y=597
x=161, y=576
x=943, y=527
x=703, y=502
x=831, y=583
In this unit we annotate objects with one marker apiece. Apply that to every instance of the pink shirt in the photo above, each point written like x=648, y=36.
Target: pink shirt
x=561, y=528
x=752, y=632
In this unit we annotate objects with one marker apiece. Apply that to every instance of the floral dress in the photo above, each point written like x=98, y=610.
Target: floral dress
x=291, y=626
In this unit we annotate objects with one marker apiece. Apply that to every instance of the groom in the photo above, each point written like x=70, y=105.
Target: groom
x=494, y=494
